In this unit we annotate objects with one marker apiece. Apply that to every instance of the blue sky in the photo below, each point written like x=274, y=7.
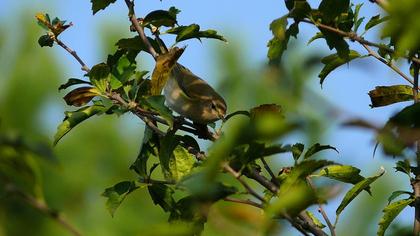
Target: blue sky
x=239, y=21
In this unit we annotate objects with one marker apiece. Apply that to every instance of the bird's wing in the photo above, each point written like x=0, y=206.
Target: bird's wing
x=193, y=86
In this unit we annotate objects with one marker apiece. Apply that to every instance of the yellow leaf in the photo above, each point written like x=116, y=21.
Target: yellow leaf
x=164, y=65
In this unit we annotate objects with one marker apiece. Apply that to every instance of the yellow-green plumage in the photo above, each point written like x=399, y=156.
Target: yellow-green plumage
x=192, y=97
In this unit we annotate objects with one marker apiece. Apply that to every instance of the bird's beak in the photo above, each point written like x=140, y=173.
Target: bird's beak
x=222, y=117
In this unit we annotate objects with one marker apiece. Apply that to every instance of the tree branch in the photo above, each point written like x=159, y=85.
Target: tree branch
x=321, y=209
x=139, y=28
x=237, y=175
x=354, y=37
x=247, y=202
x=389, y=64
x=72, y=52
x=42, y=207
x=270, y=172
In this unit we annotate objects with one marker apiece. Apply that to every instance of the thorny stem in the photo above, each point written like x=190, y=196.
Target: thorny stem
x=42, y=207
x=354, y=37
x=321, y=209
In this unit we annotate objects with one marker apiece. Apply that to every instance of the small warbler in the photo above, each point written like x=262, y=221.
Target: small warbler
x=192, y=97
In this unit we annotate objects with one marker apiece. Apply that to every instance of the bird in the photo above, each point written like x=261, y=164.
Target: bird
x=192, y=97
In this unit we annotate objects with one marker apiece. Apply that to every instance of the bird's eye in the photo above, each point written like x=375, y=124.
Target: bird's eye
x=213, y=106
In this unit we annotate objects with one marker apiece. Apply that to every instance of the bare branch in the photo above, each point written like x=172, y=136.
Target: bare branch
x=73, y=53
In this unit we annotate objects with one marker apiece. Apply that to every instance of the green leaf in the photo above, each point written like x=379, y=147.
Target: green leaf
x=355, y=190
x=390, y=212
x=343, y=173
x=157, y=103
x=276, y=48
x=300, y=171
x=297, y=150
x=175, y=160
x=318, y=35
x=190, y=210
x=160, y=18
x=403, y=166
x=162, y=196
x=375, y=20
x=356, y=19
x=404, y=36
x=332, y=8
x=386, y=95
x=76, y=117
x=134, y=43
x=333, y=61
x=301, y=9
x=98, y=5
x=45, y=41
x=317, y=148
x=117, y=193
x=181, y=164
x=396, y=194
x=149, y=149
x=71, y=82
x=193, y=31
x=315, y=220
x=293, y=201
x=278, y=27
x=100, y=75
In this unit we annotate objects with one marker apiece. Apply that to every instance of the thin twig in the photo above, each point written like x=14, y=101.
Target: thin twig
x=310, y=226
x=354, y=37
x=270, y=172
x=237, y=175
x=247, y=202
x=154, y=181
x=253, y=174
x=42, y=207
x=321, y=209
x=73, y=53
x=139, y=28
x=388, y=63
x=296, y=224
